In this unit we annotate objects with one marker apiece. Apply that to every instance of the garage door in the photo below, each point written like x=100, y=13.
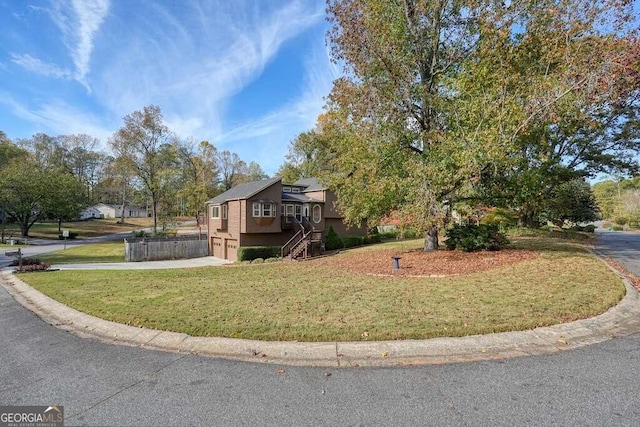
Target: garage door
x=216, y=247
x=232, y=250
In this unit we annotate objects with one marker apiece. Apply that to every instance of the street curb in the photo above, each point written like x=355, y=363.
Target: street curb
x=621, y=320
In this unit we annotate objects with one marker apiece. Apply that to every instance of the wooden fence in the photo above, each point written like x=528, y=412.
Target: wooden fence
x=160, y=249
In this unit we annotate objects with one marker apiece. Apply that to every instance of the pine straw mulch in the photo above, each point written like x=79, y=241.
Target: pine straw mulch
x=440, y=263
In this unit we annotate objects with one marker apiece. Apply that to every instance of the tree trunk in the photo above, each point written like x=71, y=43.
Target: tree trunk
x=24, y=227
x=155, y=214
x=431, y=239
x=59, y=226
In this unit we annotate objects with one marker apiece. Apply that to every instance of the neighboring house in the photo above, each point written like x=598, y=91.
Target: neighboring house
x=269, y=213
x=90, y=212
x=103, y=210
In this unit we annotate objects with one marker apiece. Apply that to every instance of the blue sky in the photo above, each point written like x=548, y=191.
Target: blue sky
x=247, y=76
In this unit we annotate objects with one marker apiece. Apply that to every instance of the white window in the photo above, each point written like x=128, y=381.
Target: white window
x=295, y=190
x=256, y=209
x=299, y=213
x=317, y=211
x=215, y=212
x=224, y=211
x=286, y=189
x=267, y=209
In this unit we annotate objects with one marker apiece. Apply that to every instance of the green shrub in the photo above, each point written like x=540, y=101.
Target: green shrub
x=634, y=224
x=373, y=238
x=617, y=228
x=250, y=253
x=258, y=261
x=388, y=235
x=409, y=233
x=333, y=241
x=139, y=234
x=351, y=241
x=272, y=259
x=620, y=220
x=590, y=228
x=471, y=238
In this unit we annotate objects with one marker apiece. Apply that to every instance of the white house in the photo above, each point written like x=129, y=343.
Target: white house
x=103, y=210
x=90, y=212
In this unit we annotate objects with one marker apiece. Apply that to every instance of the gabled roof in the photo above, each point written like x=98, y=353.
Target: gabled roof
x=244, y=191
x=311, y=184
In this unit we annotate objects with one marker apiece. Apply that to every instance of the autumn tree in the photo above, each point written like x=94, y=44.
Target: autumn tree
x=230, y=167
x=307, y=156
x=146, y=145
x=199, y=174
x=442, y=96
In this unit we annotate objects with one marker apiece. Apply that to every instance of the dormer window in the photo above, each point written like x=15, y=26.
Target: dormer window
x=295, y=189
x=286, y=189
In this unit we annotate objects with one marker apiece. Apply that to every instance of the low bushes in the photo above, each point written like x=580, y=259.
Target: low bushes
x=470, y=238
x=336, y=242
x=250, y=253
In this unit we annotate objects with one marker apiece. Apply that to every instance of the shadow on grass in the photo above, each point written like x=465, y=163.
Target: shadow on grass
x=556, y=245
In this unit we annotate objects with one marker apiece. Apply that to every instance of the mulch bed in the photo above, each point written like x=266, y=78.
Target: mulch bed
x=418, y=263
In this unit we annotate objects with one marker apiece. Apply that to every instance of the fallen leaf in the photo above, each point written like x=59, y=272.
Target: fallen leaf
x=280, y=371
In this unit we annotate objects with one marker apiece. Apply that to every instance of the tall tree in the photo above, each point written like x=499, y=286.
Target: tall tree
x=307, y=156
x=439, y=96
x=251, y=172
x=146, y=145
x=230, y=167
x=199, y=174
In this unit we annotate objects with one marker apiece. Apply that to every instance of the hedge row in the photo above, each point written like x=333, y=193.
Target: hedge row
x=249, y=253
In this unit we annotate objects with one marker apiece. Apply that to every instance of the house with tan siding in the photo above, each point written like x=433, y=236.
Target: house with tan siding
x=295, y=217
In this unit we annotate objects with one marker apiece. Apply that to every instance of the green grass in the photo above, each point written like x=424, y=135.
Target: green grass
x=313, y=302
x=86, y=254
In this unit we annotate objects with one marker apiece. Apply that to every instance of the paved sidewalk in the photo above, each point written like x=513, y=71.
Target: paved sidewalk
x=146, y=265
x=621, y=320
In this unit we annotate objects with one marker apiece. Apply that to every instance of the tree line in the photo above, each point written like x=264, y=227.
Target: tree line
x=57, y=177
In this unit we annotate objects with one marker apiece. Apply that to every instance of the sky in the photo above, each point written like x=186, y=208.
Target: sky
x=247, y=76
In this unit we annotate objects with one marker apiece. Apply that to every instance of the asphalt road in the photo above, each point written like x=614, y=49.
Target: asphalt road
x=624, y=247
x=101, y=384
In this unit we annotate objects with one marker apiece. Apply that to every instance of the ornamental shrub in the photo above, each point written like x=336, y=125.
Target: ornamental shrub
x=333, y=240
x=249, y=253
x=470, y=238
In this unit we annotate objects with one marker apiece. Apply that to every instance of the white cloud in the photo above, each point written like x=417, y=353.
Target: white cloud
x=79, y=22
x=265, y=139
x=37, y=66
x=90, y=15
x=192, y=64
x=57, y=118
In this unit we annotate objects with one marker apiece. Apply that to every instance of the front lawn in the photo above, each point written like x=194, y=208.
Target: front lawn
x=323, y=300
x=86, y=254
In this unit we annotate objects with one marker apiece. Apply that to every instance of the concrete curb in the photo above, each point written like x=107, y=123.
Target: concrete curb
x=621, y=320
